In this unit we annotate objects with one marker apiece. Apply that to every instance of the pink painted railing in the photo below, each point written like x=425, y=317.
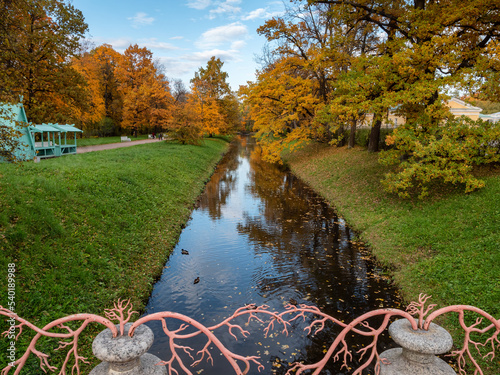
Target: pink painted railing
x=418, y=315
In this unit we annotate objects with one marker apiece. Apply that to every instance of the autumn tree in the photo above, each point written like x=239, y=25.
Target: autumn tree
x=215, y=102
x=107, y=59
x=311, y=49
x=185, y=124
x=282, y=106
x=347, y=59
x=38, y=37
x=90, y=69
x=428, y=47
x=145, y=92
x=98, y=67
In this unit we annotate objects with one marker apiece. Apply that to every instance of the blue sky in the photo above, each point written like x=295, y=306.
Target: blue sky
x=184, y=34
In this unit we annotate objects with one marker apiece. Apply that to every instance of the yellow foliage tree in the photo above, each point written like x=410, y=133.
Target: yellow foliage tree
x=37, y=40
x=185, y=123
x=216, y=103
x=146, y=94
x=282, y=106
x=90, y=69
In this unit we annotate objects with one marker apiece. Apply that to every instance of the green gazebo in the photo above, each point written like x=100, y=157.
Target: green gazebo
x=51, y=141
x=38, y=141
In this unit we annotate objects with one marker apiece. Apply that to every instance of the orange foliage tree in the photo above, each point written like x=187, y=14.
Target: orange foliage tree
x=311, y=50
x=88, y=66
x=146, y=95
x=185, y=123
x=103, y=114
x=214, y=101
x=37, y=40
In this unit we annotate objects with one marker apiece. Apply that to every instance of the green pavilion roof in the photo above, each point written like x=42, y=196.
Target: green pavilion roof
x=43, y=128
x=54, y=128
x=67, y=128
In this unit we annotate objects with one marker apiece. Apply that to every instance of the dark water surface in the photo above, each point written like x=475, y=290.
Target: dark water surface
x=259, y=235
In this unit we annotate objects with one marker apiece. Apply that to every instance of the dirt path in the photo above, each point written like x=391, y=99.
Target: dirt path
x=109, y=146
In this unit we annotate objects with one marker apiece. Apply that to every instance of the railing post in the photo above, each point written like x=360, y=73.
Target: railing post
x=126, y=355
x=417, y=355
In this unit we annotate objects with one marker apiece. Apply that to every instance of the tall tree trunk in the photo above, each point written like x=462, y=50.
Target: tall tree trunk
x=375, y=134
x=352, y=135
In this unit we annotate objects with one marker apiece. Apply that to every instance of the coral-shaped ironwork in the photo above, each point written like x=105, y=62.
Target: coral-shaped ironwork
x=419, y=309
x=73, y=335
x=118, y=313
x=282, y=321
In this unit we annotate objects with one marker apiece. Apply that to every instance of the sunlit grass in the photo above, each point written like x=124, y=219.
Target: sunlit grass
x=85, y=230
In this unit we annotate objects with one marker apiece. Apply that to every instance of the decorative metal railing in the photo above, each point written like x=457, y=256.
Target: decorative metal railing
x=418, y=317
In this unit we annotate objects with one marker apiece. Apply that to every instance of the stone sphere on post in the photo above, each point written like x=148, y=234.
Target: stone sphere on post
x=126, y=355
x=417, y=355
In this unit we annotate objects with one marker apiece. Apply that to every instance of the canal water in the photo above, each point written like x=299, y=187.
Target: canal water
x=261, y=236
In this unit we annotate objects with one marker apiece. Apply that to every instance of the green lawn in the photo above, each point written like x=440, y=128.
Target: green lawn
x=447, y=246
x=84, y=230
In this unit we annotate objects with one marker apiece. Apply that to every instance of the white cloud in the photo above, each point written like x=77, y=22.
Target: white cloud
x=238, y=44
x=198, y=4
x=177, y=38
x=262, y=13
x=228, y=6
x=153, y=43
x=184, y=66
x=257, y=13
x=119, y=45
x=222, y=34
x=204, y=56
x=141, y=19
x=177, y=68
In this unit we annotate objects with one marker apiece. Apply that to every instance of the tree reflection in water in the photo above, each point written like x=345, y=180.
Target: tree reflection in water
x=260, y=235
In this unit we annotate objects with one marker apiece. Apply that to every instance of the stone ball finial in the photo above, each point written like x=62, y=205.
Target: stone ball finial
x=126, y=355
x=417, y=355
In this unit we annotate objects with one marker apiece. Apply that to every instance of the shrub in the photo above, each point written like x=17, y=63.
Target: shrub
x=445, y=153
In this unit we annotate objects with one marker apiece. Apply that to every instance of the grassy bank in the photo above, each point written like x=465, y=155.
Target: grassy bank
x=447, y=246
x=85, y=230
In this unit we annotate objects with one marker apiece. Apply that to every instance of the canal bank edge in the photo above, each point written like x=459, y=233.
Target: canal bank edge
x=122, y=224
x=445, y=246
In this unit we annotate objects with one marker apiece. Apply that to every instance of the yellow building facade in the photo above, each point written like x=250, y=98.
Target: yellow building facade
x=457, y=108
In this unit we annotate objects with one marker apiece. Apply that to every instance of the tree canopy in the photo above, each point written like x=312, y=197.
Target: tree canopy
x=37, y=40
x=213, y=99
x=334, y=64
